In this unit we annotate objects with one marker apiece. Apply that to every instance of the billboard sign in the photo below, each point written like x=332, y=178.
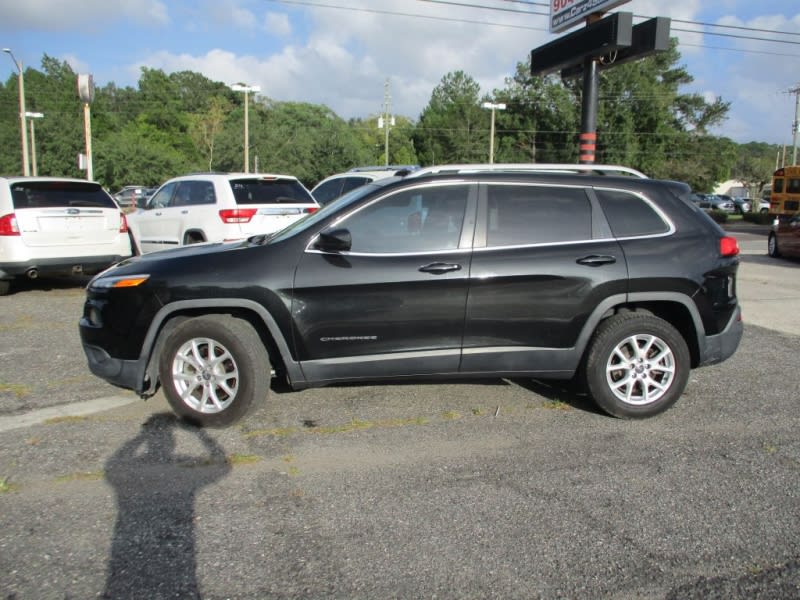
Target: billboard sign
x=568, y=13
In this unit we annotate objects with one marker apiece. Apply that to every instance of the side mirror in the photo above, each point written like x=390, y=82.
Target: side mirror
x=334, y=240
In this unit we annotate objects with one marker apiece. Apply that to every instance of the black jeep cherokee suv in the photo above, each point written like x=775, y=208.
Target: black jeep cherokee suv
x=622, y=281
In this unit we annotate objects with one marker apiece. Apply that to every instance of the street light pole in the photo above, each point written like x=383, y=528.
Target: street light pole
x=246, y=89
x=33, y=116
x=26, y=170
x=493, y=106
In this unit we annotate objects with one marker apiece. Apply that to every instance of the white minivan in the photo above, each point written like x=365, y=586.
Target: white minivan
x=57, y=225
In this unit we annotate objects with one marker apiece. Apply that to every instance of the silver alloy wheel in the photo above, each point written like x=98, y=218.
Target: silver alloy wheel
x=205, y=375
x=772, y=245
x=640, y=369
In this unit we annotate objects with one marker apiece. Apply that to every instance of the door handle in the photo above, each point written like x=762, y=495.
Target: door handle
x=596, y=260
x=439, y=268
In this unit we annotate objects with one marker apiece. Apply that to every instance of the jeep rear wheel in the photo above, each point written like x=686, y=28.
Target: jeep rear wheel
x=637, y=365
x=213, y=369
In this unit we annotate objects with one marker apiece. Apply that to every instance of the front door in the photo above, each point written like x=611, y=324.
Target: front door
x=394, y=303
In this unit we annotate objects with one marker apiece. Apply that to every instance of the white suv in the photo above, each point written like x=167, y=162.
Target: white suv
x=337, y=185
x=217, y=207
x=56, y=225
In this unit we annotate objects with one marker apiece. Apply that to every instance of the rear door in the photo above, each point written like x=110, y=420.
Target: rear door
x=65, y=213
x=544, y=259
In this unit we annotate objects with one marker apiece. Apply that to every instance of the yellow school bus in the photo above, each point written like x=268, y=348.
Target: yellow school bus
x=785, y=196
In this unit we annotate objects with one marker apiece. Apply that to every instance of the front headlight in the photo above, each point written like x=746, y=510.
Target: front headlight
x=118, y=281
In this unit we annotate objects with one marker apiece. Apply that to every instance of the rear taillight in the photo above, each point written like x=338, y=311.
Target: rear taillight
x=123, y=223
x=310, y=209
x=237, y=215
x=728, y=246
x=8, y=225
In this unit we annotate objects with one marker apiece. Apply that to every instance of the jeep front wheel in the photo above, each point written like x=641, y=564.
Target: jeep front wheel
x=637, y=365
x=213, y=369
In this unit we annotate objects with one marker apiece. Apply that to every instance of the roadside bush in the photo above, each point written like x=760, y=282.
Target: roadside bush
x=720, y=216
x=759, y=218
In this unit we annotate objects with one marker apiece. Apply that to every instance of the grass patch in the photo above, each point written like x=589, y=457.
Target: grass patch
x=556, y=405
x=81, y=476
x=5, y=486
x=18, y=389
x=451, y=415
x=243, y=459
x=65, y=419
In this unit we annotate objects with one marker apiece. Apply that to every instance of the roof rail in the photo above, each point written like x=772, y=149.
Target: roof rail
x=530, y=168
x=385, y=168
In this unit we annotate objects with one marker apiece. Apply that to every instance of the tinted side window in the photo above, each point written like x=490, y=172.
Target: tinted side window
x=777, y=185
x=525, y=214
x=192, y=193
x=418, y=220
x=351, y=183
x=629, y=215
x=162, y=196
x=328, y=191
x=60, y=194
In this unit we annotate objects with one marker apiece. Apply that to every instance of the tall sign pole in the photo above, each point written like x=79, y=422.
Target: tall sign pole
x=86, y=94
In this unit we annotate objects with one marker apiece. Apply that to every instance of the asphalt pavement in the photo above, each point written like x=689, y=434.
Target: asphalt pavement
x=488, y=489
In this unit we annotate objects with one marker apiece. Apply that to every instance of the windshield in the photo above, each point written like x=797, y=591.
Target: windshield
x=323, y=213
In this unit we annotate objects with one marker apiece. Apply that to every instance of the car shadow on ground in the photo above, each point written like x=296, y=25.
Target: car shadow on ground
x=766, y=259
x=569, y=392
x=49, y=283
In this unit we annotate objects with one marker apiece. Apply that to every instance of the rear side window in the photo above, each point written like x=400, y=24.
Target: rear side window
x=525, y=214
x=60, y=194
x=193, y=193
x=270, y=191
x=629, y=215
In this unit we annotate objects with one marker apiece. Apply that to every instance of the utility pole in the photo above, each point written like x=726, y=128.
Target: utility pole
x=246, y=89
x=796, y=123
x=386, y=120
x=493, y=106
x=26, y=169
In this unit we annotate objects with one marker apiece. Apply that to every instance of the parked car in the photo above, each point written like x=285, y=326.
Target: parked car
x=620, y=280
x=337, y=185
x=53, y=225
x=709, y=202
x=216, y=207
x=784, y=237
x=132, y=195
x=741, y=205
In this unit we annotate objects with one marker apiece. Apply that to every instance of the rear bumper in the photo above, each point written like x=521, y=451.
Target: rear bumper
x=62, y=265
x=722, y=346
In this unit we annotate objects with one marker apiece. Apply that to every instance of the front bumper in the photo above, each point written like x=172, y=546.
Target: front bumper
x=122, y=373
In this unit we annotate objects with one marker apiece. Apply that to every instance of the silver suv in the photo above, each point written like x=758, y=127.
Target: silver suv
x=56, y=225
x=218, y=207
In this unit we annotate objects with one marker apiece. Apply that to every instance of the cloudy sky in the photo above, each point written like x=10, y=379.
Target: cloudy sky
x=341, y=52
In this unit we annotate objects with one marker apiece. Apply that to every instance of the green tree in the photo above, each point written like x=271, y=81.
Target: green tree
x=453, y=128
x=205, y=127
x=540, y=122
x=373, y=140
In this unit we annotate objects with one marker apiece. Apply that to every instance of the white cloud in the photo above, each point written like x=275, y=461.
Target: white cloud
x=88, y=15
x=277, y=24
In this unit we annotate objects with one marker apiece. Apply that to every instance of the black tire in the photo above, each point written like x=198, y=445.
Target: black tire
x=772, y=246
x=5, y=287
x=635, y=387
x=193, y=238
x=218, y=391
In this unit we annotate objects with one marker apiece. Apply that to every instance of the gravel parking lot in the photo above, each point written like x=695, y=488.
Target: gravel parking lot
x=489, y=489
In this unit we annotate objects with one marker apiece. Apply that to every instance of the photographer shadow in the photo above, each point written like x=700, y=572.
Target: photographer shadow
x=153, y=547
